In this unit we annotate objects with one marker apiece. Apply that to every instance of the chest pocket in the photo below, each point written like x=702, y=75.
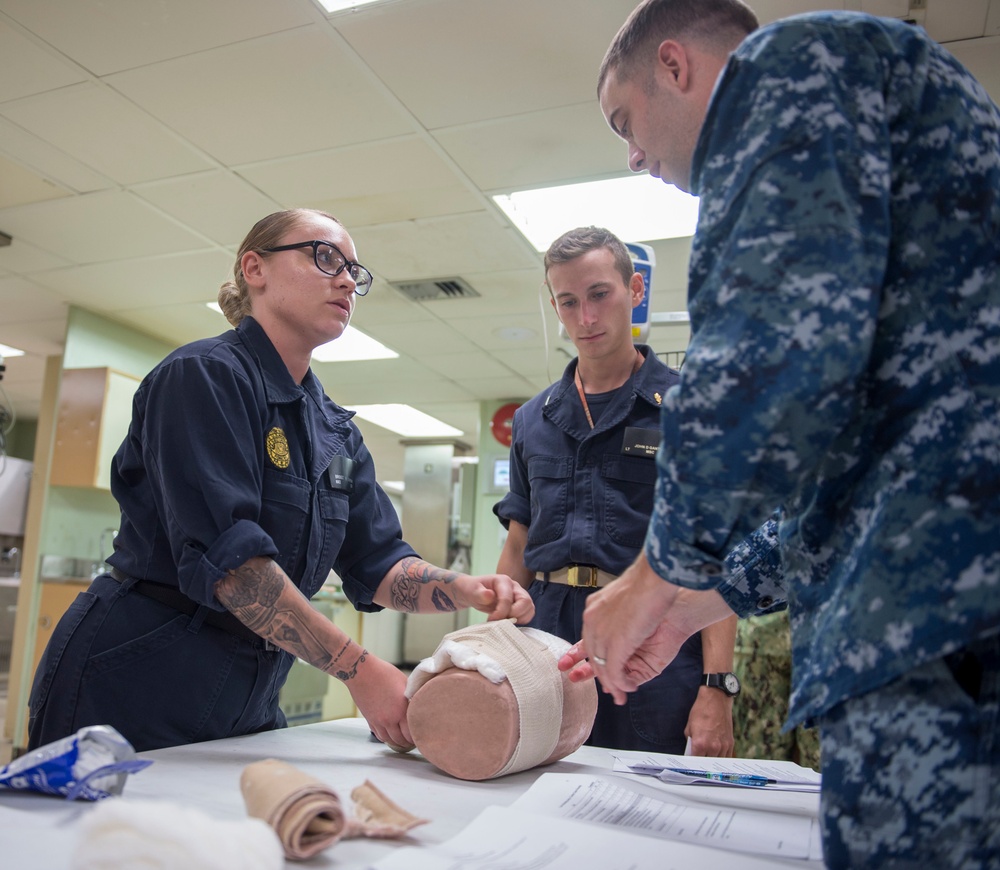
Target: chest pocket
x=550, y=478
x=629, y=483
x=284, y=514
x=334, y=511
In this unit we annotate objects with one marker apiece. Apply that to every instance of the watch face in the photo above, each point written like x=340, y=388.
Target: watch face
x=731, y=683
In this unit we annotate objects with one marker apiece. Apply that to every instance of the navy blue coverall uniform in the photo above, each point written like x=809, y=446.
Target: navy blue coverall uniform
x=226, y=458
x=586, y=496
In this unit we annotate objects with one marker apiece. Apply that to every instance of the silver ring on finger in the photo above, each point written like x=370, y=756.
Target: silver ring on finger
x=601, y=661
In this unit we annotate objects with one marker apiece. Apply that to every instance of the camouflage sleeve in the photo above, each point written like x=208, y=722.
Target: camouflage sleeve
x=785, y=273
x=753, y=572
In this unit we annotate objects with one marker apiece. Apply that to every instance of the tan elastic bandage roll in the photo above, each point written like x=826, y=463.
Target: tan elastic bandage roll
x=305, y=813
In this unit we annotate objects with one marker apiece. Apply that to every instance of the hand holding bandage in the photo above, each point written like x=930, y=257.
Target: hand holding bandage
x=307, y=814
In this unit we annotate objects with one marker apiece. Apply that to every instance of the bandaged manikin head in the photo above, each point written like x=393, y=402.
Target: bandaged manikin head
x=491, y=701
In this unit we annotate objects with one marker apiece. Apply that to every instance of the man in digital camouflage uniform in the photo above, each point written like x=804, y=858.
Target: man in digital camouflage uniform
x=844, y=363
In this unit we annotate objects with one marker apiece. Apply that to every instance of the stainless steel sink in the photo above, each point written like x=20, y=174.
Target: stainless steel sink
x=69, y=569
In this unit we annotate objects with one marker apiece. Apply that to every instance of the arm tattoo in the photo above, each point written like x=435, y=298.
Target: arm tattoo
x=253, y=593
x=415, y=574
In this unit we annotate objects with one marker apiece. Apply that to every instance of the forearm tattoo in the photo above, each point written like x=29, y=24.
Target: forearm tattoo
x=260, y=596
x=413, y=577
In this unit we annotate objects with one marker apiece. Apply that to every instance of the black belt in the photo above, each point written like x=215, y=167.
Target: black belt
x=177, y=600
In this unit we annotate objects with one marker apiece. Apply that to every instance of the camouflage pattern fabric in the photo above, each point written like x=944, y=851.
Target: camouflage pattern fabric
x=844, y=293
x=911, y=771
x=763, y=663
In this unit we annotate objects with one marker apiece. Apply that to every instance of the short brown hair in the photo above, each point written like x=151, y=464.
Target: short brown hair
x=722, y=24
x=578, y=242
x=234, y=296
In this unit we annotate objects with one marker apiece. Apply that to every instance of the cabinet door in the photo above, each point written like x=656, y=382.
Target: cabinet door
x=95, y=408
x=54, y=602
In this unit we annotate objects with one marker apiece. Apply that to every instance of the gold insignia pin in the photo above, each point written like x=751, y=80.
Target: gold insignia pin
x=659, y=398
x=277, y=448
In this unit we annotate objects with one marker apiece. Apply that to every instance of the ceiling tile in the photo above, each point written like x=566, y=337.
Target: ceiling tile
x=97, y=227
x=993, y=19
x=26, y=67
x=19, y=186
x=397, y=180
x=415, y=339
x=521, y=58
x=555, y=146
x=20, y=257
x=22, y=300
x=37, y=338
x=110, y=35
x=144, y=281
x=486, y=389
x=174, y=324
x=488, y=332
x=290, y=93
x=219, y=204
x=464, y=366
x=445, y=247
x=948, y=20
x=109, y=134
x=50, y=161
x=980, y=57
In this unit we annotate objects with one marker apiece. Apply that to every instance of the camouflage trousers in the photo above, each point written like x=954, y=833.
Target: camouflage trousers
x=911, y=771
x=763, y=662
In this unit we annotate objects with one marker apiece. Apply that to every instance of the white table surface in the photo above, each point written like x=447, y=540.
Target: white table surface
x=39, y=831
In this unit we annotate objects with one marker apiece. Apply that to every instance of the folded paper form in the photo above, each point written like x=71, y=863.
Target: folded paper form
x=307, y=814
x=491, y=701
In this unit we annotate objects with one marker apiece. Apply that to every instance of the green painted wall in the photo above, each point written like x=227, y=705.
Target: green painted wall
x=21, y=439
x=488, y=535
x=75, y=518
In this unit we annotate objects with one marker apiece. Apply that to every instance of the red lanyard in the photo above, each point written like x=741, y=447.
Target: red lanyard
x=639, y=359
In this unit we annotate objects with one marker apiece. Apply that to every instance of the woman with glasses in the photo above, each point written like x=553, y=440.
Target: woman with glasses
x=241, y=485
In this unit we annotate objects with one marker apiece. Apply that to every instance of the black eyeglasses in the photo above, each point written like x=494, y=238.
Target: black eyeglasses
x=330, y=260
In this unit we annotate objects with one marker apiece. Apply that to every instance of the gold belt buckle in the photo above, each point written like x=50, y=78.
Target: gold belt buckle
x=581, y=575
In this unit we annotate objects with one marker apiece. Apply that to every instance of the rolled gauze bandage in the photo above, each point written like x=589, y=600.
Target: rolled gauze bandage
x=491, y=701
x=304, y=812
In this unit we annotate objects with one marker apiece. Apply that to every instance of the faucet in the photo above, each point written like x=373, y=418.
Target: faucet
x=12, y=555
x=103, y=554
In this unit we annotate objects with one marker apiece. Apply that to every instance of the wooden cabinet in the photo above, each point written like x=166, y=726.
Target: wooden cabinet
x=95, y=408
x=54, y=601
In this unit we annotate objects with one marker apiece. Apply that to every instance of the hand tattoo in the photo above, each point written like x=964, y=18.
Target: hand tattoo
x=442, y=601
x=415, y=574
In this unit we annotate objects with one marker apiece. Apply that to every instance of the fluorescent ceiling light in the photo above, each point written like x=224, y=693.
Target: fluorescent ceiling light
x=342, y=5
x=7, y=350
x=404, y=420
x=352, y=346
x=636, y=208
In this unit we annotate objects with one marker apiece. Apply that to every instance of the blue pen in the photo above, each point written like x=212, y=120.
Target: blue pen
x=733, y=778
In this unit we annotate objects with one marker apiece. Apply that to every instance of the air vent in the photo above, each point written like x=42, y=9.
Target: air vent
x=435, y=290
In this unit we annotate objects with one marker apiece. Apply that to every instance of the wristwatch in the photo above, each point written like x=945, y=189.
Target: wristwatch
x=728, y=683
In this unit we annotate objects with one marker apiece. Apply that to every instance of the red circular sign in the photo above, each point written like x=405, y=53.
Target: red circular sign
x=502, y=423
